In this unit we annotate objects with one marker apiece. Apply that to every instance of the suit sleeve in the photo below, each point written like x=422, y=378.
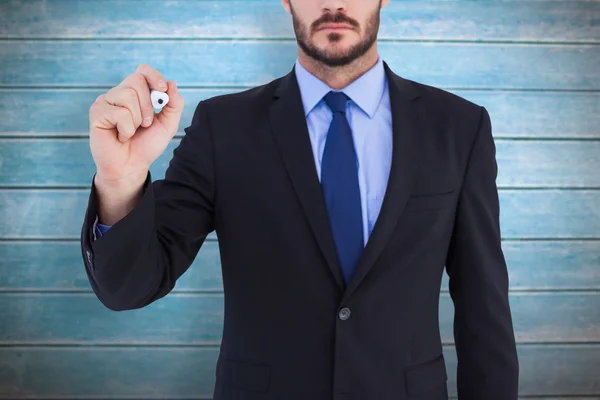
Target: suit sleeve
x=478, y=282
x=140, y=258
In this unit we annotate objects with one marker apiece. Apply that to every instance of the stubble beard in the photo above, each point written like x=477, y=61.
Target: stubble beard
x=337, y=57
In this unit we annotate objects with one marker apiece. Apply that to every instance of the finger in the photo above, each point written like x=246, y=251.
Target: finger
x=108, y=117
x=154, y=78
x=170, y=115
x=139, y=83
x=156, y=81
x=126, y=97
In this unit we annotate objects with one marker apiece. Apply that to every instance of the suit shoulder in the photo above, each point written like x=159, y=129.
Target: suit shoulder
x=446, y=100
x=243, y=101
x=446, y=109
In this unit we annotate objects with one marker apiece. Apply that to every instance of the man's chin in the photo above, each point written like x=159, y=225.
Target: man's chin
x=336, y=58
x=336, y=61
x=331, y=54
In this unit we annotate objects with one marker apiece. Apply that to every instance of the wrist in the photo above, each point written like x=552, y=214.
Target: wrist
x=118, y=197
x=120, y=183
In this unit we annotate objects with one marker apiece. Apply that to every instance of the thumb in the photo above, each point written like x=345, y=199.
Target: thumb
x=170, y=115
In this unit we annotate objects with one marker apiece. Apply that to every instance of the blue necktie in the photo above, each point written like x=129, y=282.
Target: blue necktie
x=339, y=180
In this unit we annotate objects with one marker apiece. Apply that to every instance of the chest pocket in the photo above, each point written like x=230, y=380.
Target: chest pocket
x=431, y=201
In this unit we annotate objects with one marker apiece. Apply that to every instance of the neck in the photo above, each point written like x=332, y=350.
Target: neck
x=339, y=77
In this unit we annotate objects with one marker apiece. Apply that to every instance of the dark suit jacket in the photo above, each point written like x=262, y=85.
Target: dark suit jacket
x=292, y=330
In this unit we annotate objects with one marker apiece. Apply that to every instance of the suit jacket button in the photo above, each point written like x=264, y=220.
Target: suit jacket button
x=344, y=313
x=89, y=256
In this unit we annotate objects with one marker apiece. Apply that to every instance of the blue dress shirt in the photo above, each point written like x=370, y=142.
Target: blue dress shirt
x=370, y=118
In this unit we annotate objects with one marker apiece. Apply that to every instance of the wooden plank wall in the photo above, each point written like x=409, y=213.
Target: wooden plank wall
x=535, y=65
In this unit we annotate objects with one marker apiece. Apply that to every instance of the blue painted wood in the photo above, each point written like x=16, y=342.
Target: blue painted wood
x=192, y=63
x=533, y=64
x=544, y=164
x=34, y=162
x=42, y=266
x=52, y=112
x=549, y=264
x=532, y=265
x=186, y=318
x=188, y=372
x=553, y=213
x=83, y=373
x=539, y=21
x=47, y=156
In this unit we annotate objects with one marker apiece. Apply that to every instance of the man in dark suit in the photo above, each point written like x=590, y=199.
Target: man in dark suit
x=338, y=194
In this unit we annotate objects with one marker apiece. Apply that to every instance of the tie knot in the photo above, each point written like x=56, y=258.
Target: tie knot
x=336, y=101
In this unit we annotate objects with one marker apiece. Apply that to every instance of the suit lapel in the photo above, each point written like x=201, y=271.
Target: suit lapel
x=291, y=134
x=407, y=129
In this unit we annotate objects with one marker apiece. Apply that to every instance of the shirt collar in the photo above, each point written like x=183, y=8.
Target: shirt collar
x=366, y=91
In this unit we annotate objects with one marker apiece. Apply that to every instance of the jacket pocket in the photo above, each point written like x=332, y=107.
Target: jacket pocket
x=430, y=201
x=426, y=376
x=245, y=375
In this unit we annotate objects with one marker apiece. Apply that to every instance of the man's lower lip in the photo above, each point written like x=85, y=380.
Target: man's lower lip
x=341, y=27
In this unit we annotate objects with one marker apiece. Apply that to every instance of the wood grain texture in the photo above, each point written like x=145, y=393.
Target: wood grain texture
x=546, y=265
x=553, y=213
x=41, y=162
x=140, y=372
x=24, y=267
x=192, y=63
x=522, y=114
x=184, y=318
x=532, y=64
x=539, y=21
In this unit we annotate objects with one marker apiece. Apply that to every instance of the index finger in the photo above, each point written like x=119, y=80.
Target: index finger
x=154, y=78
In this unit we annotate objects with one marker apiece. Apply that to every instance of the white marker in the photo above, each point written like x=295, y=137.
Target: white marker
x=159, y=99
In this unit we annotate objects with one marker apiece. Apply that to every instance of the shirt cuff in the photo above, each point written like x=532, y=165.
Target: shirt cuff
x=99, y=229
x=94, y=227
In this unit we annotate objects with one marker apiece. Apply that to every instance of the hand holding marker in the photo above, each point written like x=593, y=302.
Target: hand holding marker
x=126, y=133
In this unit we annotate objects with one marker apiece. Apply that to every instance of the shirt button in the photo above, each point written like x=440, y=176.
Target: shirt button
x=344, y=313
